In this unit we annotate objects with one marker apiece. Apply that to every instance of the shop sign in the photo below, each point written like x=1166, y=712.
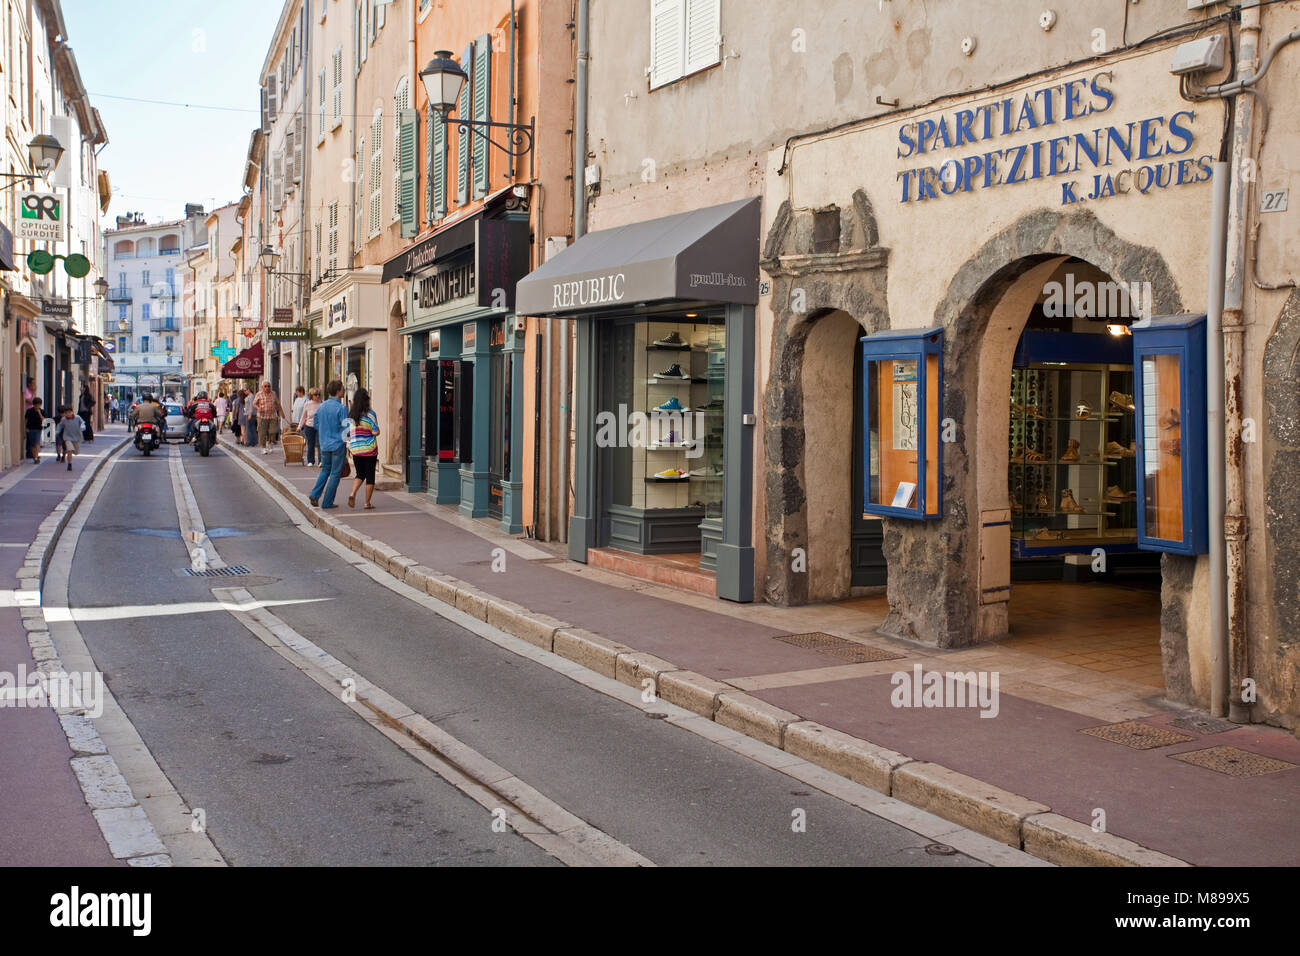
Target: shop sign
x=468, y=337
x=282, y=316
x=287, y=332
x=1110, y=159
x=110, y=345
x=449, y=282
x=336, y=312
x=41, y=216
x=62, y=308
x=597, y=290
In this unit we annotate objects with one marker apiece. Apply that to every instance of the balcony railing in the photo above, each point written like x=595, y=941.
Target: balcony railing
x=165, y=325
x=119, y=295
x=162, y=291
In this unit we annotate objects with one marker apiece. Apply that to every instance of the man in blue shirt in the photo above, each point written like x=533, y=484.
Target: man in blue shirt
x=329, y=431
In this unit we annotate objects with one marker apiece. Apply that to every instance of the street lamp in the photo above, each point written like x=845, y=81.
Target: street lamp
x=444, y=80
x=43, y=154
x=269, y=258
x=101, y=287
x=123, y=325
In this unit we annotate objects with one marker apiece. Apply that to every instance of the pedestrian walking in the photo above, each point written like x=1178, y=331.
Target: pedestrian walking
x=269, y=414
x=86, y=412
x=68, y=434
x=237, y=414
x=248, y=419
x=29, y=394
x=299, y=400
x=223, y=406
x=363, y=445
x=307, y=423
x=329, y=425
x=35, y=421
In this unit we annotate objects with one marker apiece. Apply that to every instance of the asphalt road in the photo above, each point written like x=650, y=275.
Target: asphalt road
x=287, y=775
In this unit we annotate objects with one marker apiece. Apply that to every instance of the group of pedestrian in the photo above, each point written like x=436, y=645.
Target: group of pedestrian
x=343, y=432
x=72, y=425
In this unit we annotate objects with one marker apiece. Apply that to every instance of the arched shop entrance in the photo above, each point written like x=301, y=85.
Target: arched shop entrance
x=1016, y=381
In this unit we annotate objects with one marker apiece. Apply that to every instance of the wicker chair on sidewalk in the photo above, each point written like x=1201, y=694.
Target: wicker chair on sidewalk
x=294, y=445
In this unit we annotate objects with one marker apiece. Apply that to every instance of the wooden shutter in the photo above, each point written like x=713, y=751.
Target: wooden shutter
x=333, y=249
x=482, y=112
x=376, y=173
x=667, y=41
x=290, y=156
x=277, y=180
x=462, y=132
x=320, y=107
x=299, y=142
x=338, y=86
x=703, y=34
x=272, y=99
x=438, y=171
x=266, y=122
x=408, y=122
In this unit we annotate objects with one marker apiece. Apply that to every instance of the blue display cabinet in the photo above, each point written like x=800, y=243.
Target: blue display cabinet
x=902, y=398
x=1172, y=445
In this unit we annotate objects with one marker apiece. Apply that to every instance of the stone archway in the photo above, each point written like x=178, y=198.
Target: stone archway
x=933, y=582
x=828, y=275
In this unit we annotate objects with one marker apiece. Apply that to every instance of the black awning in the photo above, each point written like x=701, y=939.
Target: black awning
x=706, y=254
x=441, y=244
x=7, y=249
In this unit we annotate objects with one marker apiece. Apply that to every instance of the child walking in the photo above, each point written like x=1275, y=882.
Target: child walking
x=68, y=432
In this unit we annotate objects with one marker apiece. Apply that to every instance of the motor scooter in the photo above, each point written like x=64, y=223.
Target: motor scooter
x=148, y=437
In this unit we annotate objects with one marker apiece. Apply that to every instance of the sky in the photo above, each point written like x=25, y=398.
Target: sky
x=206, y=54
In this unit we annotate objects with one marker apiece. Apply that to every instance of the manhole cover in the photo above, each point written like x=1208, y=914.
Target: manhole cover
x=1135, y=734
x=849, y=651
x=217, y=572
x=1205, y=725
x=1233, y=761
x=940, y=849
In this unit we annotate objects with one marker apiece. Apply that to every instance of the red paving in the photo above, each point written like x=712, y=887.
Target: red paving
x=44, y=819
x=1033, y=749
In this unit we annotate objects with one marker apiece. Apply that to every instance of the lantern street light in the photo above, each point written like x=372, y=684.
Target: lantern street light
x=444, y=80
x=43, y=154
x=101, y=287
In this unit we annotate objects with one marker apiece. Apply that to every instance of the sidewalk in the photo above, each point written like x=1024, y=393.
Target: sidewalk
x=1031, y=776
x=44, y=818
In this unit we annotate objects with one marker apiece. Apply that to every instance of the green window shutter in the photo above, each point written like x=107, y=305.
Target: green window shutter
x=429, y=124
x=408, y=122
x=463, y=132
x=482, y=112
x=438, y=176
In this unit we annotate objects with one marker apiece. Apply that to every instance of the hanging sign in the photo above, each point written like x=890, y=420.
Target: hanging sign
x=40, y=216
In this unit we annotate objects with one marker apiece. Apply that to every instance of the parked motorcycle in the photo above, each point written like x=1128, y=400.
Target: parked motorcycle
x=148, y=437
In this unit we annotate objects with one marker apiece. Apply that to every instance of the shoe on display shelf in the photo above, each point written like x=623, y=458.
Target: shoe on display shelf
x=672, y=371
x=1072, y=453
x=1122, y=402
x=1115, y=450
x=672, y=405
x=672, y=340
x=670, y=474
x=1068, y=504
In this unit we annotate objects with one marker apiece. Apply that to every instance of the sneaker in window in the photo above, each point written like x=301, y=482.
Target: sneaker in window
x=672, y=371
x=1122, y=401
x=671, y=341
x=1068, y=504
x=670, y=474
x=1071, y=453
x=1114, y=493
x=1115, y=450
x=672, y=405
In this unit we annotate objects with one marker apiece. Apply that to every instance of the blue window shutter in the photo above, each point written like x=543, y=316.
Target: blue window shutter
x=482, y=112
x=463, y=132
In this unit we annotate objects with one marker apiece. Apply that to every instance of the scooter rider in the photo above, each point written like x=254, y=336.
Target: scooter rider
x=199, y=410
x=149, y=411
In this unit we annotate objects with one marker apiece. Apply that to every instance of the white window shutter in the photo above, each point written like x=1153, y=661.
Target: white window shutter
x=299, y=141
x=338, y=86
x=667, y=41
x=277, y=180
x=703, y=34
x=272, y=98
x=321, y=96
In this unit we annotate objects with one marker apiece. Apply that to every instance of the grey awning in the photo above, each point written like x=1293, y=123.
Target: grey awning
x=706, y=254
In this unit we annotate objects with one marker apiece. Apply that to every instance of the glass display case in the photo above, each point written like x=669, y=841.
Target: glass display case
x=1169, y=352
x=1073, y=466
x=679, y=371
x=902, y=393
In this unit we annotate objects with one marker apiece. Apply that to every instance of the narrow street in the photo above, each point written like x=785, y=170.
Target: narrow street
x=286, y=774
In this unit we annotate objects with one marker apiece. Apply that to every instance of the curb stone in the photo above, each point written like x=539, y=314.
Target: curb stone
x=1017, y=821
x=122, y=821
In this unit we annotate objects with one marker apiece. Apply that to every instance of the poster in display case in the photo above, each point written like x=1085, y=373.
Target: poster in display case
x=1172, y=447
x=902, y=396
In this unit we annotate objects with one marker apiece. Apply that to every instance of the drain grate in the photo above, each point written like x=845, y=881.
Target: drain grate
x=1135, y=734
x=838, y=647
x=1205, y=725
x=1233, y=761
x=217, y=572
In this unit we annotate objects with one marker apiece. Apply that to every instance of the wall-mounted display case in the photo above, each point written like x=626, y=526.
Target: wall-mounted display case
x=1169, y=355
x=902, y=391
x=1072, y=473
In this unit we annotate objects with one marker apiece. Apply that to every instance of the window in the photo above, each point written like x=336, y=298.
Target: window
x=376, y=172
x=315, y=268
x=121, y=281
x=144, y=277
x=169, y=343
x=482, y=105
x=336, y=68
x=320, y=108
x=121, y=312
x=171, y=279
x=121, y=343
x=144, y=312
x=685, y=37
x=144, y=343
x=435, y=201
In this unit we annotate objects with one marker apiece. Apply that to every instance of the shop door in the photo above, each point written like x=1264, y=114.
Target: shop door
x=867, y=559
x=355, y=375
x=498, y=430
x=417, y=387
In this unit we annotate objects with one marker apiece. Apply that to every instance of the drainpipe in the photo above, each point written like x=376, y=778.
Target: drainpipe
x=579, y=230
x=1214, y=484
x=1234, y=516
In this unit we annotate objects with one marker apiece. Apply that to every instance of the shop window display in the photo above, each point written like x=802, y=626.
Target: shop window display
x=1073, y=457
x=901, y=393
